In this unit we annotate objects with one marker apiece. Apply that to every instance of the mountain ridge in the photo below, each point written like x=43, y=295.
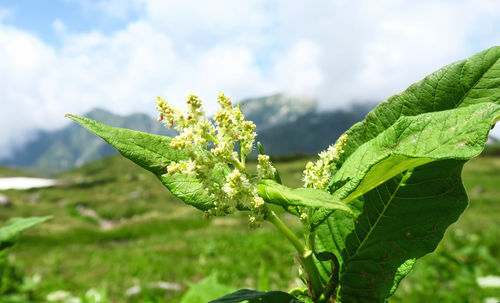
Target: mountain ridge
x=286, y=125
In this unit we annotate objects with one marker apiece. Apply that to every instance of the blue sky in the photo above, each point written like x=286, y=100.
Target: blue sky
x=69, y=56
x=38, y=17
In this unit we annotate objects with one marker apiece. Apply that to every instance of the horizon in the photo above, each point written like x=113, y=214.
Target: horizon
x=68, y=56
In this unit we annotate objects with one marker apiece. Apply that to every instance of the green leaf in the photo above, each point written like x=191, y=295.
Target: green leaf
x=397, y=222
x=8, y=236
x=14, y=227
x=473, y=81
x=403, y=270
x=153, y=153
x=401, y=174
x=275, y=193
x=413, y=141
x=254, y=296
x=467, y=82
x=205, y=290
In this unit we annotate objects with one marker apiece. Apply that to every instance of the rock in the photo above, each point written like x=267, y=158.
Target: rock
x=33, y=197
x=165, y=285
x=134, y=195
x=132, y=291
x=477, y=190
x=4, y=200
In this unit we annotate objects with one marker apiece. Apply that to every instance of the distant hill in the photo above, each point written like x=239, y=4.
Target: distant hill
x=6, y=172
x=492, y=147
x=290, y=125
x=72, y=146
x=311, y=133
x=277, y=109
x=286, y=125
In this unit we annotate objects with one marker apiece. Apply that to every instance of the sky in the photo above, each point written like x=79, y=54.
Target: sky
x=70, y=56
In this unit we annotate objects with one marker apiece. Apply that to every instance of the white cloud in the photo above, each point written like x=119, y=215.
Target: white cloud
x=24, y=60
x=59, y=26
x=338, y=50
x=298, y=69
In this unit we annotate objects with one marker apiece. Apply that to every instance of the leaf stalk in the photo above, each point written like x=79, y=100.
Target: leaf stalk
x=305, y=254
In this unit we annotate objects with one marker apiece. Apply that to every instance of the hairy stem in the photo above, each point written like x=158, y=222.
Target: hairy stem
x=276, y=221
x=305, y=254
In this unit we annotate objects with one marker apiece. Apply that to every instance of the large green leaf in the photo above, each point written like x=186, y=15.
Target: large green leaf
x=413, y=141
x=460, y=84
x=458, y=134
x=253, y=296
x=397, y=222
x=273, y=192
x=14, y=227
x=153, y=153
x=401, y=173
x=467, y=82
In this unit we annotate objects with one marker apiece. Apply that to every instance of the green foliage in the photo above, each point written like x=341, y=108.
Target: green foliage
x=275, y=193
x=171, y=241
x=206, y=290
x=51, y=152
x=14, y=227
x=153, y=153
x=14, y=286
x=404, y=162
x=399, y=174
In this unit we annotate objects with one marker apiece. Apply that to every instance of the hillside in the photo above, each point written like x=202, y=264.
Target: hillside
x=72, y=146
x=116, y=227
x=6, y=172
x=310, y=133
x=277, y=109
x=286, y=125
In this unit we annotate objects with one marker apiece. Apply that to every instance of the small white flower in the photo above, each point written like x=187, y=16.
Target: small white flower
x=228, y=129
x=317, y=175
x=265, y=169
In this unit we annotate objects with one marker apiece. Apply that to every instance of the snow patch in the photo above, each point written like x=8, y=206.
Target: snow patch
x=25, y=183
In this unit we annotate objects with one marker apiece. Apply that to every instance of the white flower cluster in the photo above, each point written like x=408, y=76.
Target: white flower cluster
x=317, y=175
x=198, y=135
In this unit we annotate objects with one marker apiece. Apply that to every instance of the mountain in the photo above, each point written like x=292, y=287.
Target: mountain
x=286, y=125
x=312, y=132
x=72, y=146
x=290, y=125
x=277, y=109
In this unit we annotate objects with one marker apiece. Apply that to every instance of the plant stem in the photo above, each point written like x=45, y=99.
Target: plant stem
x=276, y=221
x=242, y=155
x=305, y=254
x=238, y=165
x=332, y=283
x=309, y=233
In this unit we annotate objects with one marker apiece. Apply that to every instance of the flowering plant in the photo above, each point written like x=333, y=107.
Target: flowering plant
x=373, y=203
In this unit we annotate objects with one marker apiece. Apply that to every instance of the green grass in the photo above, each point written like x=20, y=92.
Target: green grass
x=155, y=237
x=6, y=172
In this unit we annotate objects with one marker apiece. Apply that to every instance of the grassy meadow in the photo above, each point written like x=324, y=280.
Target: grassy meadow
x=115, y=227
